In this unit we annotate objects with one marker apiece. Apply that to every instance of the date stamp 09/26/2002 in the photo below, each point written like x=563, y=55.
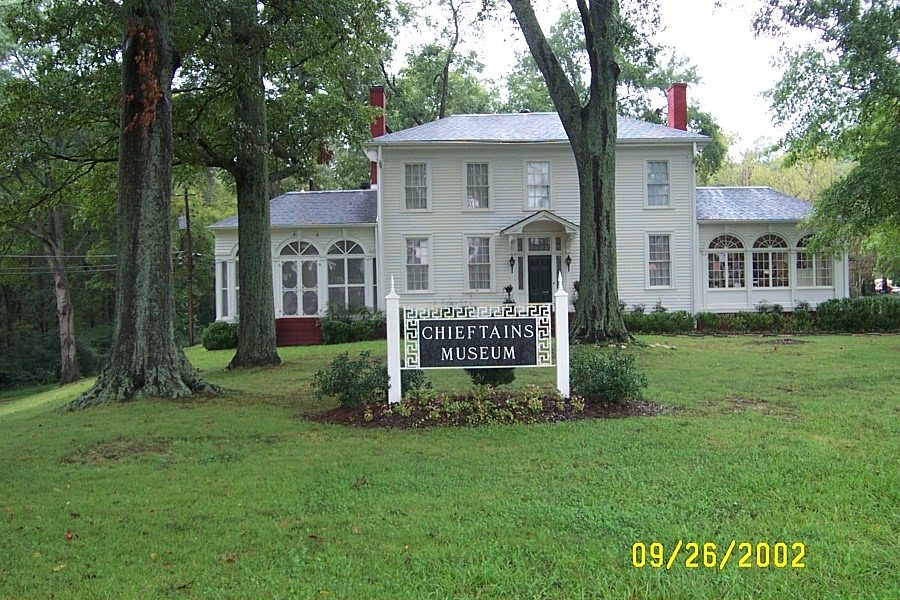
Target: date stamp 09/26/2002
x=694, y=555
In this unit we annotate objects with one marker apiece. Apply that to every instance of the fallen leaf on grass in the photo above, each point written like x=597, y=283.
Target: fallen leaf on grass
x=59, y=568
x=36, y=554
x=229, y=558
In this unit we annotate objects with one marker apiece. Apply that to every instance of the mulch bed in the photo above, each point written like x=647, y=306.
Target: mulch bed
x=504, y=410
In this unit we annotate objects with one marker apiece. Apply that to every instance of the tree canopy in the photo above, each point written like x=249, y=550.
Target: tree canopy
x=642, y=82
x=840, y=96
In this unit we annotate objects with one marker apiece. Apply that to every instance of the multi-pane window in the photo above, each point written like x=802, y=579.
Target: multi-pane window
x=657, y=183
x=417, y=263
x=479, y=263
x=223, y=291
x=770, y=262
x=538, y=184
x=477, y=186
x=416, y=183
x=660, y=261
x=299, y=279
x=726, y=263
x=813, y=268
x=346, y=274
x=539, y=244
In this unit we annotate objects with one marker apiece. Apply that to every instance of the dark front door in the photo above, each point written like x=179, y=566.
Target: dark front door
x=540, y=278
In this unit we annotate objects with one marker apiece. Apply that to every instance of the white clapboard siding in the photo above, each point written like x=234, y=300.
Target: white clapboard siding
x=446, y=222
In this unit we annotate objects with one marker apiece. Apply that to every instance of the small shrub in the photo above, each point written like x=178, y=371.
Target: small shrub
x=494, y=377
x=342, y=325
x=659, y=308
x=353, y=382
x=599, y=377
x=766, y=307
x=335, y=332
x=708, y=321
x=413, y=380
x=800, y=321
x=637, y=309
x=220, y=335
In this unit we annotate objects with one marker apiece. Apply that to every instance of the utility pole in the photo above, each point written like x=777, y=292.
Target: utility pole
x=190, y=266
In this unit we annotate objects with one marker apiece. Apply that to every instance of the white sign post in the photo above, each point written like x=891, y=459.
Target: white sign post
x=561, y=298
x=510, y=325
x=392, y=306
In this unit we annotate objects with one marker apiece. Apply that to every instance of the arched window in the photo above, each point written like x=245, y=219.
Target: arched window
x=770, y=262
x=726, y=263
x=346, y=274
x=813, y=269
x=299, y=279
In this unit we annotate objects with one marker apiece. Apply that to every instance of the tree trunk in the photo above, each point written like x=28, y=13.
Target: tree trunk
x=256, y=325
x=592, y=130
x=145, y=360
x=597, y=313
x=65, y=311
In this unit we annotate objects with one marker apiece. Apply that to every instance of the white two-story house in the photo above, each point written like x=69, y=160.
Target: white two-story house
x=464, y=206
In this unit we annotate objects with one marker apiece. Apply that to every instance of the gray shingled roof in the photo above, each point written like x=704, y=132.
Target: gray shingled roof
x=522, y=128
x=302, y=209
x=749, y=204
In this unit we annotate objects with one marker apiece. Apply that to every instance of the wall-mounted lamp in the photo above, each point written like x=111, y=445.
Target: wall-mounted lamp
x=568, y=263
x=512, y=263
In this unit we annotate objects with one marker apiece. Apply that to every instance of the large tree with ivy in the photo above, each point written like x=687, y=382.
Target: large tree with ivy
x=145, y=358
x=262, y=89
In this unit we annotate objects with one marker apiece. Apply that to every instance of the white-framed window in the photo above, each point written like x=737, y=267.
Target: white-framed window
x=659, y=260
x=657, y=183
x=770, y=262
x=478, y=188
x=299, y=279
x=479, y=262
x=814, y=269
x=726, y=263
x=224, y=289
x=228, y=288
x=346, y=274
x=418, y=259
x=416, y=186
x=538, y=174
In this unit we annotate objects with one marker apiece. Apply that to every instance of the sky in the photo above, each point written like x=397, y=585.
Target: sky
x=735, y=67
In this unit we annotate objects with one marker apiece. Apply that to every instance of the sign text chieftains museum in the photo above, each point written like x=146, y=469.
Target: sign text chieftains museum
x=454, y=337
x=445, y=337
x=476, y=342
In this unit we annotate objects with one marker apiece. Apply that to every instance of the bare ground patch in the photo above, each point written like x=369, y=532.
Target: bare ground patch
x=739, y=404
x=119, y=449
x=778, y=342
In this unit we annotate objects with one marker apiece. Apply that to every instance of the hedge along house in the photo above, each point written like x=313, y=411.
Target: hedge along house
x=464, y=206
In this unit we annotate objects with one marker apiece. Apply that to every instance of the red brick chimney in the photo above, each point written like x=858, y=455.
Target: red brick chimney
x=378, y=127
x=677, y=94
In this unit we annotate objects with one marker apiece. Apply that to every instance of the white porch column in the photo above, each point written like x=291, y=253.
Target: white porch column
x=392, y=308
x=561, y=300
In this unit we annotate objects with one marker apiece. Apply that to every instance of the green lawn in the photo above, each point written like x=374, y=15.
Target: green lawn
x=235, y=497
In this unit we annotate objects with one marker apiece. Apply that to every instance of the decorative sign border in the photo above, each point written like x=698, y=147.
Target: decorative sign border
x=540, y=312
